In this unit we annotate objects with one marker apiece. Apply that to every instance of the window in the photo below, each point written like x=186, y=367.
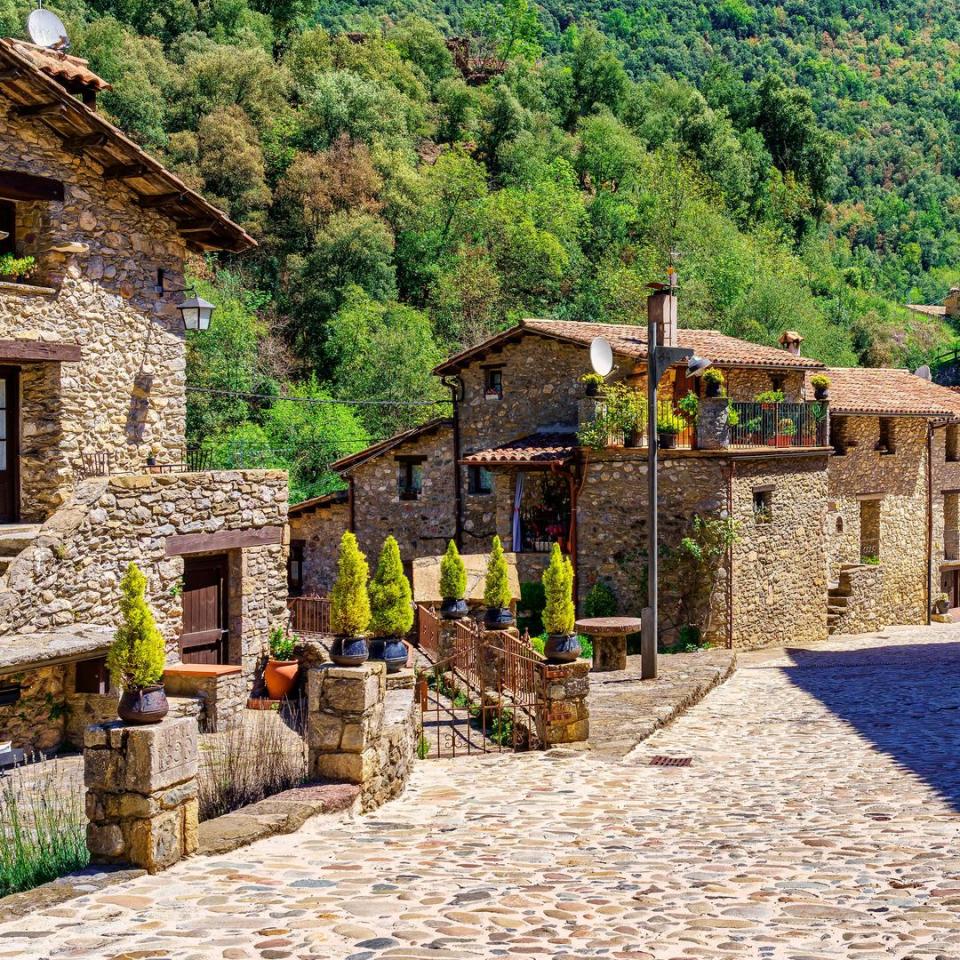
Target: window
x=953, y=443
x=409, y=477
x=870, y=531
x=763, y=504
x=295, y=568
x=885, y=443
x=8, y=225
x=493, y=383
x=480, y=481
x=92, y=676
x=9, y=693
x=776, y=383
x=838, y=436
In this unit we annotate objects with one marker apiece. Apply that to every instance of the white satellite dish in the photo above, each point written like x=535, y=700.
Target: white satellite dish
x=46, y=29
x=601, y=356
x=924, y=373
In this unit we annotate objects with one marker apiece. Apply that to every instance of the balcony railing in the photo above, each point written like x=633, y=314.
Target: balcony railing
x=778, y=424
x=102, y=464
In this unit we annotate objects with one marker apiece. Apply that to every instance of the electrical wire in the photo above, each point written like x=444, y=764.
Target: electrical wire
x=316, y=400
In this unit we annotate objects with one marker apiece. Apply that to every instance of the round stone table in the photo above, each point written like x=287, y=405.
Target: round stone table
x=609, y=635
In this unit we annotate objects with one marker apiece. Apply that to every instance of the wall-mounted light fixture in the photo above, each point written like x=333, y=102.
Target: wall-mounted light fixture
x=195, y=312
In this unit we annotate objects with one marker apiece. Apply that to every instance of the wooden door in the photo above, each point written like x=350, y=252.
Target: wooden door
x=950, y=585
x=206, y=635
x=9, y=444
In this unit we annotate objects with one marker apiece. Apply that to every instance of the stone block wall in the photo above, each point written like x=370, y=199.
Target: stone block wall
x=566, y=711
x=745, y=384
x=865, y=610
x=320, y=532
x=945, y=482
x=222, y=690
x=36, y=720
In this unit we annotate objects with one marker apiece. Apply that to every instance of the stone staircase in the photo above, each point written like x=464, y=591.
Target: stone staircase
x=838, y=597
x=15, y=537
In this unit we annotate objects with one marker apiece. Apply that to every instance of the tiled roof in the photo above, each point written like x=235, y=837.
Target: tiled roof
x=538, y=448
x=61, y=66
x=631, y=341
x=355, y=459
x=889, y=392
x=317, y=503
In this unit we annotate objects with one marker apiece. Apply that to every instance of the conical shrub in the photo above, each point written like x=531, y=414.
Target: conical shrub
x=137, y=656
x=453, y=574
x=496, y=590
x=391, y=600
x=349, y=602
x=559, y=615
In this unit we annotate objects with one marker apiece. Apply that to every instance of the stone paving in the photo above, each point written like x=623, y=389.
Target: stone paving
x=818, y=819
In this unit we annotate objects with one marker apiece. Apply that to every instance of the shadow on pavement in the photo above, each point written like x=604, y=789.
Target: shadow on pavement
x=903, y=698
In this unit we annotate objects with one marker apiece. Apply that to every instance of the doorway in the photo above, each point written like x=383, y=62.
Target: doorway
x=950, y=585
x=9, y=444
x=206, y=604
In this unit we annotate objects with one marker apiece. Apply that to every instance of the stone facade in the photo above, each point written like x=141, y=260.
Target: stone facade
x=222, y=691
x=320, y=532
x=566, y=709
x=142, y=792
x=944, y=455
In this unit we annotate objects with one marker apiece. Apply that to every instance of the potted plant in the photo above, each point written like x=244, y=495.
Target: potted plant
x=821, y=386
x=713, y=382
x=350, y=605
x=786, y=431
x=137, y=655
x=592, y=382
x=391, y=608
x=281, y=671
x=669, y=424
x=562, y=645
x=453, y=585
x=768, y=399
x=15, y=269
x=941, y=604
x=496, y=591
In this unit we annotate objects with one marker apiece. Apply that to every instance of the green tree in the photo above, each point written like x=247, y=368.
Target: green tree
x=496, y=590
x=391, y=600
x=349, y=601
x=453, y=574
x=137, y=656
x=558, y=614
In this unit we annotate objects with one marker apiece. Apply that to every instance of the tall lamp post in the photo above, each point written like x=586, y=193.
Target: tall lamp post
x=662, y=353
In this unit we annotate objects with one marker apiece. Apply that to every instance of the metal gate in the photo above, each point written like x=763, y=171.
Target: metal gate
x=477, y=691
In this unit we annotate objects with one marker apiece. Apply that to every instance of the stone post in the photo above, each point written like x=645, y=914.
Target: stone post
x=713, y=428
x=141, y=792
x=446, y=640
x=566, y=712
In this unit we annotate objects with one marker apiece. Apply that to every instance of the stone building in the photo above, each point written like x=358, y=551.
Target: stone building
x=93, y=467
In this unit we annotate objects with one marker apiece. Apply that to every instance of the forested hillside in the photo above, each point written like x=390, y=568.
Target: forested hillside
x=800, y=159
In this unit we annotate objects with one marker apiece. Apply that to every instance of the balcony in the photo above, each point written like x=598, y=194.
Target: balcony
x=777, y=424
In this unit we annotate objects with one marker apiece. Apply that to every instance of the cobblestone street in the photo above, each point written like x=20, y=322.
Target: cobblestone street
x=818, y=819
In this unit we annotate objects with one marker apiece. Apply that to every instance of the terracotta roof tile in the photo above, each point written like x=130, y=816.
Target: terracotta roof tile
x=61, y=66
x=542, y=448
x=318, y=503
x=889, y=392
x=355, y=459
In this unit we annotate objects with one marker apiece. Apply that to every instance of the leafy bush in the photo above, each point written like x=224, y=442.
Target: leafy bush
x=453, y=574
x=391, y=600
x=137, y=655
x=689, y=405
x=282, y=644
x=349, y=601
x=600, y=601
x=769, y=396
x=496, y=591
x=786, y=427
x=592, y=380
x=558, y=614
x=532, y=602
x=669, y=422
x=820, y=381
x=17, y=267
x=713, y=376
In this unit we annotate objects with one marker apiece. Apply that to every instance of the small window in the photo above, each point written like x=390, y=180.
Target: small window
x=9, y=693
x=763, y=505
x=776, y=384
x=295, y=568
x=838, y=436
x=92, y=676
x=885, y=442
x=953, y=443
x=480, y=481
x=8, y=225
x=409, y=479
x=870, y=531
x=839, y=525
x=493, y=383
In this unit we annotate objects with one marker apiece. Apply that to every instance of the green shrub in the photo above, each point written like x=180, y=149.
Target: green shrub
x=786, y=427
x=733, y=417
x=669, y=422
x=17, y=267
x=600, y=601
x=496, y=590
x=820, y=381
x=558, y=614
x=453, y=574
x=592, y=380
x=532, y=602
x=689, y=406
x=137, y=655
x=769, y=396
x=282, y=644
x=349, y=601
x=391, y=600
x=713, y=376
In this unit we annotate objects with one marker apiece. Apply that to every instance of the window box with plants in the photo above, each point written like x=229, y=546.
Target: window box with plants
x=280, y=673
x=453, y=585
x=391, y=608
x=562, y=644
x=15, y=269
x=350, y=605
x=496, y=592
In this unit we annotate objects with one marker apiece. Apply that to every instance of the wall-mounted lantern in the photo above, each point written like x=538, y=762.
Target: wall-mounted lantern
x=195, y=312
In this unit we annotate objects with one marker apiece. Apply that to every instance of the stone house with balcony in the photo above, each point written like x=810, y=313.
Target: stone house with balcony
x=93, y=467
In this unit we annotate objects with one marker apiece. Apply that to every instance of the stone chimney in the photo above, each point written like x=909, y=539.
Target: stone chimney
x=951, y=306
x=790, y=340
x=662, y=310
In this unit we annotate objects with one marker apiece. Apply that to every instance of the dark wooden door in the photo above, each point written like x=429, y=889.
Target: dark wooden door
x=950, y=584
x=206, y=635
x=9, y=444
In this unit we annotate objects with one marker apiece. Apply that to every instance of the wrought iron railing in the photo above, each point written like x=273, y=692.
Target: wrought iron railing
x=778, y=424
x=309, y=614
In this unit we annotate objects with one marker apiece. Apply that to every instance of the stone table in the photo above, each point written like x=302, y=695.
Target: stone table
x=609, y=635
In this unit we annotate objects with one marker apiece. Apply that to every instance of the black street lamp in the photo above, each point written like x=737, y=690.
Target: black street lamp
x=195, y=312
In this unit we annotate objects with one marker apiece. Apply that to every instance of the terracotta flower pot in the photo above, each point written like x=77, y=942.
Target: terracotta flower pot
x=782, y=440
x=561, y=647
x=143, y=705
x=280, y=676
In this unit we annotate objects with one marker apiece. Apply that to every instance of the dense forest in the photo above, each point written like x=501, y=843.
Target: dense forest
x=799, y=160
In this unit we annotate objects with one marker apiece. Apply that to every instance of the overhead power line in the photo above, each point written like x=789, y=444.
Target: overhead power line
x=320, y=401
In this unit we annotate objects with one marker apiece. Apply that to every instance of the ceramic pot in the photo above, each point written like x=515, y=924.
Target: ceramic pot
x=591, y=389
x=453, y=609
x=941, y=607
x=496, y=618
x=349, y=651
x=666, y=441
x=280, y=676
x=561, y=647
x=821, y=393
x=143, y=705
x=394, y=654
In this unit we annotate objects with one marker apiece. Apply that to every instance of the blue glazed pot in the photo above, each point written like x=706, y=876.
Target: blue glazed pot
x=562, y=648
x=453, y=609
x=496, y=618
x=394, y=654
x=349, y=651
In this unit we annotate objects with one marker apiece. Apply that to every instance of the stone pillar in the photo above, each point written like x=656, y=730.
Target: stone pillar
x=141, y=792
x=566, y=713
x=446, y=639
x=345, y=720
x=609, y=653
x=713, y=428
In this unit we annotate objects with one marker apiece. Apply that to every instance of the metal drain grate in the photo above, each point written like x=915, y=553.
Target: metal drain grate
x=661, y=761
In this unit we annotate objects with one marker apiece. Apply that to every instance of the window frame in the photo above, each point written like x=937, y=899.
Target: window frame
x=8, y=245
x=951, y=443
x=475, y=473
x=409, y=470
x=295, y=557
x=886, y=436
x=493, y=382
x=763, y=504
x=98, y=675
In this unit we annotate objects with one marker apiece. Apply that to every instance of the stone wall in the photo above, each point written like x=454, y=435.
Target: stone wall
x=861, y=592
x=126, y=394
x=36, y=720
x=320, y=530
x=899, y=482
x=745, y=384
x=945, y=482
x=221, y=690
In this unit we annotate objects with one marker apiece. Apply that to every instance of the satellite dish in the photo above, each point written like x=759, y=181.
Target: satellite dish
x=46, y=29
x=601, y=356
x=924, y=373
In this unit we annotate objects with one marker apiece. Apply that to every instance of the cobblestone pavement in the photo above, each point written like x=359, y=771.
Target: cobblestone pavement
x=818, y=819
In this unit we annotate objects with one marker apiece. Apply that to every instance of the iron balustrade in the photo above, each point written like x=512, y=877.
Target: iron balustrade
x=309, y=614
x=801, y=424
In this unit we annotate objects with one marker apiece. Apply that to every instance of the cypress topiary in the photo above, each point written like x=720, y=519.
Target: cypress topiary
x=453, y=574
x=558, y=614
x=137, y=656
x=496, y=591
x=349, y=602
x=391, y=600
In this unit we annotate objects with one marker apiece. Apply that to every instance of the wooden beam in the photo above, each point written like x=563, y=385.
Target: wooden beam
x=151, y=200
x=25, y=186
x=184, y=543
x=10, y=73
x=125, y=171
x=196, y=226
x=81, y=143
x=38, y=109
x=39, y=350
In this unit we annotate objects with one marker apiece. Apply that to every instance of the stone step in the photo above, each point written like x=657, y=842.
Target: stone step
x=14, y=537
